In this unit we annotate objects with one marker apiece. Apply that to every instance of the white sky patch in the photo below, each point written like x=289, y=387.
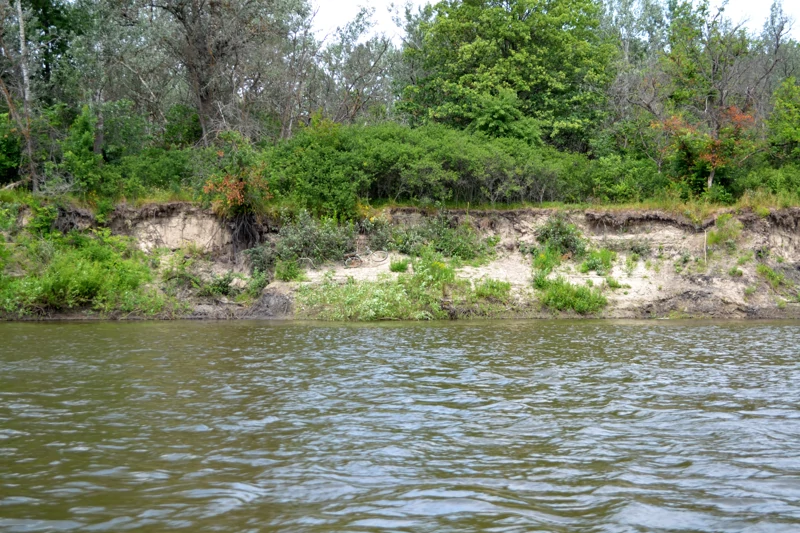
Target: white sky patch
x=334, y=13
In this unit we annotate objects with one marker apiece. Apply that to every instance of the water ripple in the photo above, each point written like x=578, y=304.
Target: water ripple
x=507, y=427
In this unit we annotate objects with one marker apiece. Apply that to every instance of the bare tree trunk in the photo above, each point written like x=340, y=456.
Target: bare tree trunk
x=26, y=97
x=711, y=177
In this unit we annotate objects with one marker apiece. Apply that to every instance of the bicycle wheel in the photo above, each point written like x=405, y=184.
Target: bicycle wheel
x=353, y=262
x=379, y=256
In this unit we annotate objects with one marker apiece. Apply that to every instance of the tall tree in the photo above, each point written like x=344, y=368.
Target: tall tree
x=497, y=65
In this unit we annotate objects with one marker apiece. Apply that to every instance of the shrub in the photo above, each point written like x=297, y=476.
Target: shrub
x=97, y=271
x=560, y=295
x=599, y=260
x=774, y=279
x=727, y=232
x=442, y=235
x=546, y=259
x=218, y=286
x=319, y=240
x=561, y=235
x=492, y=289
x=400, y=265
x=288, y=271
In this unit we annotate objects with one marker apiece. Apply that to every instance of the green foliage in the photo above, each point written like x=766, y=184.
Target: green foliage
x=238, y=183
x=97, y=271
x=600, y=261
x=431, y=292
x=735, y=272
x=182, y=128
x=399, y=265
x=508, y=68
x=560, y=295
x=10, y=150
x=492, y=289
x=288, y=270
x=218, y=286
x=784, y=122
x=559, y=234
x=443, y=235
x=546, y=259
x=613, y=283
x=727, y=232
x=775, y=279
x=255, y=285
x=317, y=239
x=317, y=171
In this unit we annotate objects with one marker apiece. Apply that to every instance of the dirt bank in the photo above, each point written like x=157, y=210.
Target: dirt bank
x=665, y=266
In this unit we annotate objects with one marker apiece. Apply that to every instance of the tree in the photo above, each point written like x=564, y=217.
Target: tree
x=489, y=64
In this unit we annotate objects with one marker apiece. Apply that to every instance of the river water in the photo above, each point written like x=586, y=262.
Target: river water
x=492, y=426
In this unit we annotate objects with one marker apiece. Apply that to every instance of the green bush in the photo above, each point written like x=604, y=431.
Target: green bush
x=558, y=233
x=317, y=239
x=288, y=270
x=493, y=289
x=97, y=271
x=546, y=259
x=560, y=295
x=727, y=232
x=400, y=265
x=600, y=261
x=218, y=286
x=441, y=234
x=774, y=279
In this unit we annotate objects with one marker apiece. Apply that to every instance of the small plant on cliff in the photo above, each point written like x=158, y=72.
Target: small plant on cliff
x=558, y=233
x=600, y=261
x=727, y=231
x=774, y=279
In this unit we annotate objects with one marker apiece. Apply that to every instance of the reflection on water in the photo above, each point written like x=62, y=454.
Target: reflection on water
x=509, y=426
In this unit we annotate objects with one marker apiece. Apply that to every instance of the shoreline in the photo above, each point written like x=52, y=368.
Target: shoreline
x=661, y=265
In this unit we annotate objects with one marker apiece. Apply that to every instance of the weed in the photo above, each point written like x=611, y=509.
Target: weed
x=612, y=283
x=400, y=265
x=546, y=259
x=258, y=280
x=288, y=271
x=774, y=279
x=749, y=291
x=560, y=295
x=735, y=272
x=640, y=248
x=492, y=289
x=599, y=260
x=630, y=263
x=727, y=232
x=744, y=259
x=559, y=234
x=218, y=286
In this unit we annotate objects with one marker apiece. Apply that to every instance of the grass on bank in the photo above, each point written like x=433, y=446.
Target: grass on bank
x=431, y=292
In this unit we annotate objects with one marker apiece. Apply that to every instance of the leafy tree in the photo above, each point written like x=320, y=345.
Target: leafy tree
x=784, y=123
x=510, y=67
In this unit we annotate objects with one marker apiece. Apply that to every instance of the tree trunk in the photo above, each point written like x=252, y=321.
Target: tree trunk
x=26, y=98
x=711, y=177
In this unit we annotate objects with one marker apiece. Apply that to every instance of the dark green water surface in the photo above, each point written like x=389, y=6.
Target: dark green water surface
x=495, y=426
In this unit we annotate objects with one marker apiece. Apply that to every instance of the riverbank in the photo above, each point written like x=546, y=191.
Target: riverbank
x=189, y=263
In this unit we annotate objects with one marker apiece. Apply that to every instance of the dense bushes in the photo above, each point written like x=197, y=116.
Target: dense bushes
x=96, y=270
x=332, y=170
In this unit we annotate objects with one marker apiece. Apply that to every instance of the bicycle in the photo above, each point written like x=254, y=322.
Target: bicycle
x=355, y=260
